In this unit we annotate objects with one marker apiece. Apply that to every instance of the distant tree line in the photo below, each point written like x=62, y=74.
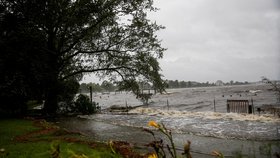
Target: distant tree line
x=186, y=84
x=107, y=86
x=236, y=83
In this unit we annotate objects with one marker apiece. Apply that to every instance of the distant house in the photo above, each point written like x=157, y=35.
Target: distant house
x=264, y=80
x=219, y=83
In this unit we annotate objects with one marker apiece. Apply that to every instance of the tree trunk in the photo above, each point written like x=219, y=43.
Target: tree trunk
x=51, y=94
x=23, y=107
x=51, y=102
x=51, y=98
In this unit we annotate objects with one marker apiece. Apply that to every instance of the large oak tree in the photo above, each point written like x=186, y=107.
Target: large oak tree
x=110, y=38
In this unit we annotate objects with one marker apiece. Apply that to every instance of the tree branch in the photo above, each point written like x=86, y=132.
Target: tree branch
x=84, y=33
x=96, y=70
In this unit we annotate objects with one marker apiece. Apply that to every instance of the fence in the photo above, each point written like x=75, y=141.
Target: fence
x=239, y=106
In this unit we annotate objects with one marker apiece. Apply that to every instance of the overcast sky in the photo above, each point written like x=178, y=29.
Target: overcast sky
x=210, y=40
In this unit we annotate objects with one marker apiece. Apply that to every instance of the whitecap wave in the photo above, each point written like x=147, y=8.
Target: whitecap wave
x=206, y=115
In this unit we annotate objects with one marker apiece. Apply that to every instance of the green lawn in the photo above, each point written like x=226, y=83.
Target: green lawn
x=27, y=139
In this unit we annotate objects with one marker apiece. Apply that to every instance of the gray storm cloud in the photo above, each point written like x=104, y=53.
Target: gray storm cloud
x=209, y=40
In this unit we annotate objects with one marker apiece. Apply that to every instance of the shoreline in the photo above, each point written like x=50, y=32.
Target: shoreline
x=104, y=131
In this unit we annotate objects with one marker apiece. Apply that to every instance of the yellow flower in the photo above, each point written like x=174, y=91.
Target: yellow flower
x=217, y=154
x=152, y=156
x=154, y=124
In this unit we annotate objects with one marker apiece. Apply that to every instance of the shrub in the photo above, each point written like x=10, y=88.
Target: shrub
x=84, y=106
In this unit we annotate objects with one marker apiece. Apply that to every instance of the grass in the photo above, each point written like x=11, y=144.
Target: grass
x=11, y=128
x=32, y=138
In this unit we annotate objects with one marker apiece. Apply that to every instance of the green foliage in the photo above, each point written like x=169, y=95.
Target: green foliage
x=55, y=150
x=68, y=90
x=44, y=43
x=84, y=105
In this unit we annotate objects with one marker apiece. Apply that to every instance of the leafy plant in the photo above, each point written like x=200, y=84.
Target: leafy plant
x=55, y=149
x=158, y=145
x=217, y=154
x=84, y=105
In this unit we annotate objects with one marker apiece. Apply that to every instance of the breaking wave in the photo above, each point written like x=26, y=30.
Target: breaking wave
x=210, y=124
x=189, y=111
x=206, y=115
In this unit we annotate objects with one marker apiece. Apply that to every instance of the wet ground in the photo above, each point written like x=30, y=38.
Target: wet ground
x=201, y=146
x=189, y=114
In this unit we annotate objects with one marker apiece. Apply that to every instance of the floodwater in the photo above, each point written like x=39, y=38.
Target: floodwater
x=195, y=114
x=194, y=99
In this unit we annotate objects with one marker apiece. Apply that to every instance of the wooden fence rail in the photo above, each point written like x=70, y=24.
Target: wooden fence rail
x=239, y=106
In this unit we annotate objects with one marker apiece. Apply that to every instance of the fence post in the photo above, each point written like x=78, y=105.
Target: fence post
x=214, y=105
x=126, y=107
x=228, y=107
x=250, y=110
x=253, y=108
x=167, y=105
x=90, y=91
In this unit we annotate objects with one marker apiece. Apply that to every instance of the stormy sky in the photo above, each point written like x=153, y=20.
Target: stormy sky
x=210, y=40
x=228, y=40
